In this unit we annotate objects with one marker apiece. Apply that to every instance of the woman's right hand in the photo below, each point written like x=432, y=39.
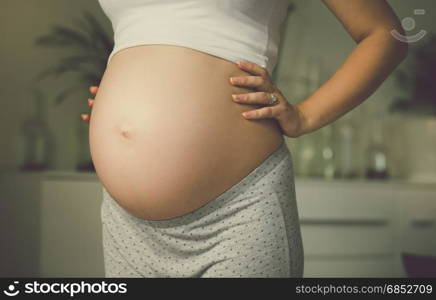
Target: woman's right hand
x=86, y=117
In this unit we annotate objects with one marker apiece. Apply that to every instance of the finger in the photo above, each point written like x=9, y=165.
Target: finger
x=85, y=117
x=253, y=98
x=252, y=81
x=261, y=113
x=93, y=89
x=253, y=68
x=90, y=102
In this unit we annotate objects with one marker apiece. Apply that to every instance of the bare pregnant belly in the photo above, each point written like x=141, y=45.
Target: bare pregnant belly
x=165, y=134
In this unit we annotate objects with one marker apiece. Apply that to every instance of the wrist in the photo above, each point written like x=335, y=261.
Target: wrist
x=304, y=126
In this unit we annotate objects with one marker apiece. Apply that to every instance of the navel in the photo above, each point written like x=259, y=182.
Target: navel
x=126, y=131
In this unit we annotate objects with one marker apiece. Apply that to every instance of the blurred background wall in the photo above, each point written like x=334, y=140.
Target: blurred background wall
x=20, y=23
x=312, y=34
x=314, y=40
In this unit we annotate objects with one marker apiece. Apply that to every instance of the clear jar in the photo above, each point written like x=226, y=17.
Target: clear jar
x=376, y=152
x=327, y=152
x=346, y=158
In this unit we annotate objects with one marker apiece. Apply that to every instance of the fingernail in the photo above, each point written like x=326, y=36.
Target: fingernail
x=245, y=114
x=234, y=80
x=235, y=97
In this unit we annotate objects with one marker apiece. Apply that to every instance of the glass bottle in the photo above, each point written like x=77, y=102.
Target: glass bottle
x=345, y=147
x=327, y=152
x=305, y=155
x=34, y=138
x=376, y=152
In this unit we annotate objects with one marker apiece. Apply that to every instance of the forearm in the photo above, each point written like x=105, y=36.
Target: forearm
x=368, y=65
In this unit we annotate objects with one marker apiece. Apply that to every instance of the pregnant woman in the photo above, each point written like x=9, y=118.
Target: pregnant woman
x=187, y=127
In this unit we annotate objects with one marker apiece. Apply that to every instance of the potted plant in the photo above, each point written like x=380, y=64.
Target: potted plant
x=87, y=49
x=419, y=110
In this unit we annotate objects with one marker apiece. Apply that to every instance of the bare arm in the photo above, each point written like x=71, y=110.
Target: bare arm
x=375, y=56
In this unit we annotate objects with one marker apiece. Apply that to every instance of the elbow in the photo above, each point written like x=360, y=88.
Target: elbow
x=391, y=39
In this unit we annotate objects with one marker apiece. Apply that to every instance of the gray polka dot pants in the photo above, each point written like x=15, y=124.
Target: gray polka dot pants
x=250, y=230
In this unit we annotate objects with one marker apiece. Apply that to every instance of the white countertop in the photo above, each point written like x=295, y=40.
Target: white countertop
x=53, y=174
x=92, y=176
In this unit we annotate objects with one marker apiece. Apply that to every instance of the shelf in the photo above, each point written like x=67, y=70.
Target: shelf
x=54, y=174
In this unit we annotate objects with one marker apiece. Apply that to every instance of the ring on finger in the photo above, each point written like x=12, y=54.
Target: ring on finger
x=273, y=99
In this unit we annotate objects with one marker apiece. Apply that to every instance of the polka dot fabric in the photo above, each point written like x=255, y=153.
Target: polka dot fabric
x=250, y=230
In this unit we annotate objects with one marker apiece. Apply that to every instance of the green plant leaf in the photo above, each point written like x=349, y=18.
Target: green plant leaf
x=60, y=97
x=43, y=74
x=62, y=36
x=90, y=78
x=99, y=37
x=56, y=71
x=94, y=46
x=83, y=59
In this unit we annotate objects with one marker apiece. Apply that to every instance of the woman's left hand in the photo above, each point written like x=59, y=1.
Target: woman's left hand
x=290, y=118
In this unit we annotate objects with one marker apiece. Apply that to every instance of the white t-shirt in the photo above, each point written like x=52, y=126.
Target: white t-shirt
x=230, y=29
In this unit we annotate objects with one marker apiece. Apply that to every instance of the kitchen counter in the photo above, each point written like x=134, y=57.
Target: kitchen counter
x=350, y=228
x=92, y=176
